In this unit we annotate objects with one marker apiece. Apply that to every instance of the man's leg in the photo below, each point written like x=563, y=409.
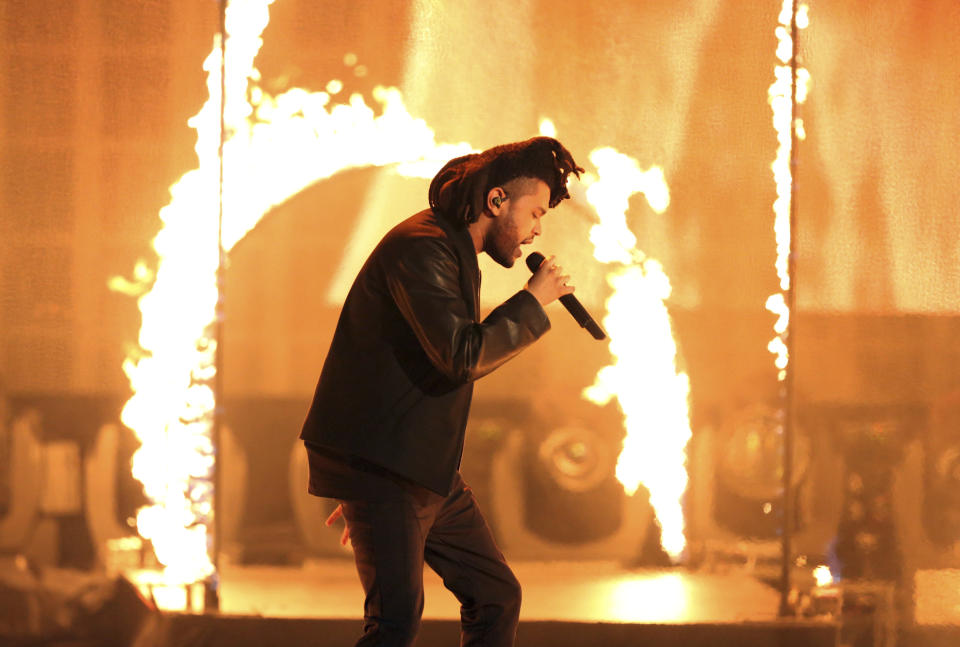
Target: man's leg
x=461, y=549
x=388, y=540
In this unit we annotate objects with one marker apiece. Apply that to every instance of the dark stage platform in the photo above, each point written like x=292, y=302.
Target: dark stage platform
x=233, y=631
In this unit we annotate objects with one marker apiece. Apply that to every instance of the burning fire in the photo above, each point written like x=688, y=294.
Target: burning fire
x=643, y=376
x=779, y=96
x=275, y=146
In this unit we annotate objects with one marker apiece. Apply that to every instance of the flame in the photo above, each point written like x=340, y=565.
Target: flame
x=643, y=376
x=547, y=128
x=822, y=575
x=275, y=146
x=779, y=97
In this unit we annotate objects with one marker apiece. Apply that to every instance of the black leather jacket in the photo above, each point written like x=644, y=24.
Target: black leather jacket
x=396, y=385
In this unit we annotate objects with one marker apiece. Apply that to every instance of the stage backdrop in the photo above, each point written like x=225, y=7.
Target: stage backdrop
x=97, y=94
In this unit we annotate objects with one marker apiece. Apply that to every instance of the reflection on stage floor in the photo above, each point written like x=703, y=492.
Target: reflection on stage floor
x=591, y=591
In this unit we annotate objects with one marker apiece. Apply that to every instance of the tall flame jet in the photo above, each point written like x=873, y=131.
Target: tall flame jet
x=781, y=103
x=643, y=377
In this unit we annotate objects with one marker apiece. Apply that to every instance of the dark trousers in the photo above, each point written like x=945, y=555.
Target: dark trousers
x=391, y=541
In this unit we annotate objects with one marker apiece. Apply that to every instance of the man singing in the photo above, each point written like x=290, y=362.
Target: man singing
x=385, y=432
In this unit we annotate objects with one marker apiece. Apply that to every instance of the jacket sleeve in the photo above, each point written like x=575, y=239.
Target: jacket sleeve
x=424, y=283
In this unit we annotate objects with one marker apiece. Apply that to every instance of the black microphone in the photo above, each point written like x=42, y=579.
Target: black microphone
x=570, y=302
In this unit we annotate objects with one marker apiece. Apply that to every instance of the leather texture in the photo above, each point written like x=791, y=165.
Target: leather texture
x=396, y=384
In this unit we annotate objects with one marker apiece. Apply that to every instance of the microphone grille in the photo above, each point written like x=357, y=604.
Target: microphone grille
x=534, y=259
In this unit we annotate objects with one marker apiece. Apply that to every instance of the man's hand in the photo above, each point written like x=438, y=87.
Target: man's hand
x=332, y=519
x=549, y=282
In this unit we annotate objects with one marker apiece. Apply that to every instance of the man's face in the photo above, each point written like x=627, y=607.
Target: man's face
x=519, y=221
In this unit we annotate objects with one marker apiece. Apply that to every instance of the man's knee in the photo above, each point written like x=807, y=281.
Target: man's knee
x=493, y=620
x=512, y=595
x=501, y=599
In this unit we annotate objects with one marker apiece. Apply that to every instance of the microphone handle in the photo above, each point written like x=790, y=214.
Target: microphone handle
x=575, y=308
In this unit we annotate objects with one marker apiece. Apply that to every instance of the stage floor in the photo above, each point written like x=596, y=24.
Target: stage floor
x=591, y=591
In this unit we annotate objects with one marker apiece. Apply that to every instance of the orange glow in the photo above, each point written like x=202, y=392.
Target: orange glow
x=664, y=595
x=779, y=97
x=643, y=376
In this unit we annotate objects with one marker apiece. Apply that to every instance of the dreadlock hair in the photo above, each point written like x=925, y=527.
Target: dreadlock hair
x=458, y=193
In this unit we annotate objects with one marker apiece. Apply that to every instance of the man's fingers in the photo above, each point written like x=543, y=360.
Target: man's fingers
x=332, y=519
x=549, y=282
x=336, y=514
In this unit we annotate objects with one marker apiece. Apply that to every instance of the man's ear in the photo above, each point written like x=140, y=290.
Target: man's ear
x=495, y=199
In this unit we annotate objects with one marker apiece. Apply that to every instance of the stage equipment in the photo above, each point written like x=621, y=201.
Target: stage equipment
x=786, y=93
x=101, y=497
x=941, y=501
x=736, y=505
x=867, y=546
x=869, y=614
x=878, y=534
x=103, y=471
x=39, y=607
x=570, y=302
x=555, y=496
x=749, y=472
x=211, y=583
x=26, y=480
x=114, y=614
x=925, y=504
